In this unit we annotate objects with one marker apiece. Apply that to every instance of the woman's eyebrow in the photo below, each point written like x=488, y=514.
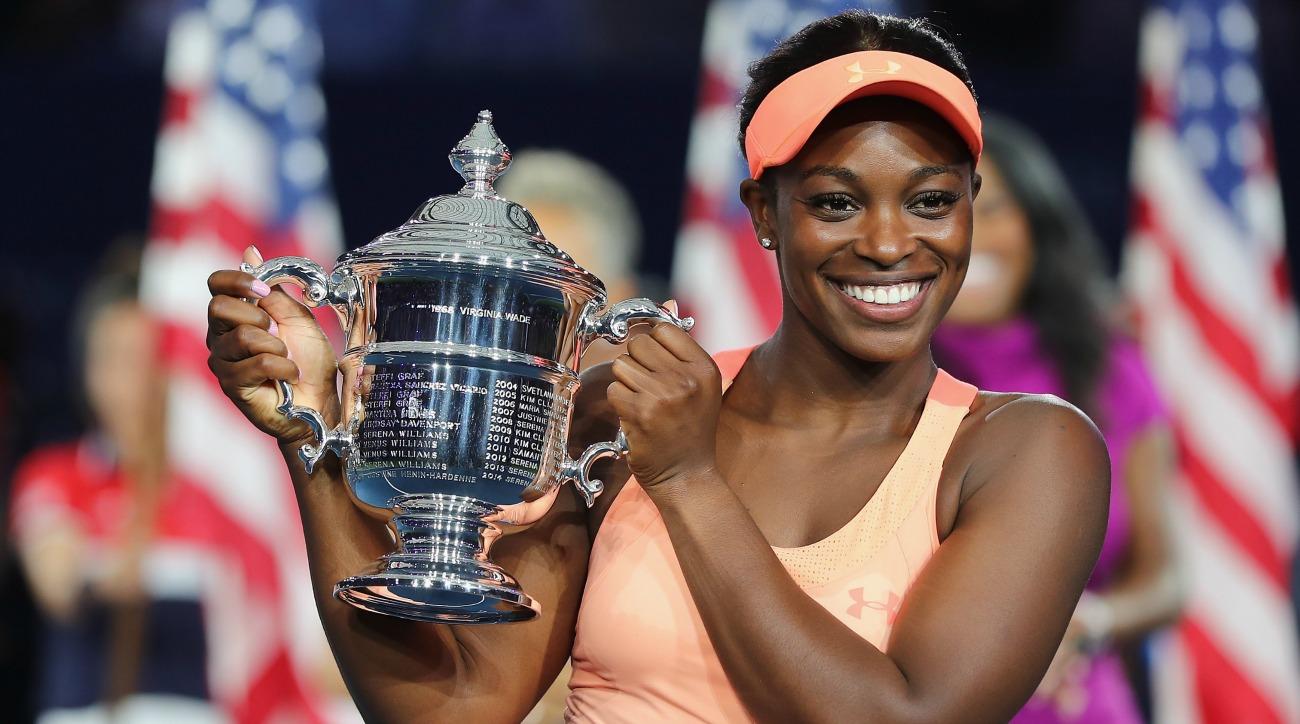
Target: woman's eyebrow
x=838, y=172
x=845, y=174
x=926, y=172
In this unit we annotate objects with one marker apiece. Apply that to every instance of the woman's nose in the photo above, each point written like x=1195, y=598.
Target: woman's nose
x=883, y=237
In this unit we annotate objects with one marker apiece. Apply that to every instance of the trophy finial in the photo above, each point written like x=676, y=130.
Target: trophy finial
x=480, y=157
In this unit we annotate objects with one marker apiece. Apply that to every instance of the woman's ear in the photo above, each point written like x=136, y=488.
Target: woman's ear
x=757, y=198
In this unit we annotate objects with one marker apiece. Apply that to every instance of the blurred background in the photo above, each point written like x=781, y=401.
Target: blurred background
x=327, y=123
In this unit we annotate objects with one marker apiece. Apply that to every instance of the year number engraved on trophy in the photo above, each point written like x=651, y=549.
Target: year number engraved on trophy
x=501, y=432
x=518, y=427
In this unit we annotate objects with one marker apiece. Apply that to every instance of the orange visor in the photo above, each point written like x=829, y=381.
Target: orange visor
x=789, y=114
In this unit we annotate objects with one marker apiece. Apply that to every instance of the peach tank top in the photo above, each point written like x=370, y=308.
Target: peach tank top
x=641, y=653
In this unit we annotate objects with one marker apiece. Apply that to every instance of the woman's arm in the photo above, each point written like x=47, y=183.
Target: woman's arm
x=52, y=542
x=1149, y=590
x=396, y=670
x=51, y=557
x=978, y=627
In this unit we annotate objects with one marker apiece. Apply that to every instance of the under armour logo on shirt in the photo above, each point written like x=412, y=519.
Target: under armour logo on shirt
x=890, y=607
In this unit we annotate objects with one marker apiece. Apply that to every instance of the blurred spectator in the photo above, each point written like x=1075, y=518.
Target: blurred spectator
x=586, y=212
x=1034, y=316
x=113, y=546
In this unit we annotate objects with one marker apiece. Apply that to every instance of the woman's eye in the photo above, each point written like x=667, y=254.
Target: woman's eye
x=835, y=203
x=934, y=202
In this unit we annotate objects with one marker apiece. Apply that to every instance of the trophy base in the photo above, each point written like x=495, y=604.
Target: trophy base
x=441, y=573
x=425, y=591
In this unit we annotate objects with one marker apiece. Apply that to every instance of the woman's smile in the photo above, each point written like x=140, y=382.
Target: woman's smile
x=884, y=301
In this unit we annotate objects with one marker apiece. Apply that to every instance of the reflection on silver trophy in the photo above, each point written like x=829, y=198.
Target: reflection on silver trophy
x=464, y=331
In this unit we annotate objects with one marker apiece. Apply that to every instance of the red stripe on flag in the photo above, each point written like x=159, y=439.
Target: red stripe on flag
x=227, y=534
x=1281, y=281
x=1224, y=694
x=700, y=206
x=214, y=217
x=1220, y=337
x=1152, y=106
x=714, y=90
x=180, y=348
x=1236, y=521
x=178, y=107
x=268, y=693
x=1267, y=161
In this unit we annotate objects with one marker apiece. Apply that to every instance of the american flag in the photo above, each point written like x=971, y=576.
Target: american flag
x=721, y=275
x=1205, y=267
x=239, y=161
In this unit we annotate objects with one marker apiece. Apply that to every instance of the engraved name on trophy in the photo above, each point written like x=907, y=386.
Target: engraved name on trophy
x=464, y=329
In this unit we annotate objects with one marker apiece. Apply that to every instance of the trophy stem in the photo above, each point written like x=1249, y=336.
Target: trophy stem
x=441, y=572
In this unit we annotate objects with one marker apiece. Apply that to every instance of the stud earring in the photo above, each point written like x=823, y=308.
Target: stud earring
x=766, y=243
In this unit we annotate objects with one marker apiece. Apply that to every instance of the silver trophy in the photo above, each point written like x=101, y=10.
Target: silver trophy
x=464, y=332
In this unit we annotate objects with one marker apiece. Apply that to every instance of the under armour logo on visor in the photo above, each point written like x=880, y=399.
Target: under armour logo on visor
x=859, y=602
x=857, y=73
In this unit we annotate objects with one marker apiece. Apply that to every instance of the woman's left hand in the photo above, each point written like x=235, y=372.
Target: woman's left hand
x=667, y=394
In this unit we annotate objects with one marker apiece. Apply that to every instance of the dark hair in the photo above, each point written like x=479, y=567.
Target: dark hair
x=847, y=32
x=1065, y=296
x=115, y=280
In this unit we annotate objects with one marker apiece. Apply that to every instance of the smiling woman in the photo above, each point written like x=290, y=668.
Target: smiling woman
x=846, y=519
x=824, y=528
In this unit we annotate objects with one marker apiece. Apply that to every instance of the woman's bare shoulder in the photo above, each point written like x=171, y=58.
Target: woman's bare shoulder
x=1040, y=439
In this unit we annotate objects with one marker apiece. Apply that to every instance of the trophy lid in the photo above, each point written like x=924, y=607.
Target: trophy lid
x=476, y=228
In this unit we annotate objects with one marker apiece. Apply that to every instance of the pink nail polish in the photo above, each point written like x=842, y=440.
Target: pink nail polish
x=273, y=328
x=260, y=289
x=257, y=253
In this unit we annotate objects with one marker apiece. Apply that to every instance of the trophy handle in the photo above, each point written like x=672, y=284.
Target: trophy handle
x=579, y=470
x=337, y=440
x=339, y=289
x=613, y=324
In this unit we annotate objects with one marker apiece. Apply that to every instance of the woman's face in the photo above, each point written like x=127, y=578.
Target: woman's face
x=1002, y=255
x=124, y=384
x=872, y=224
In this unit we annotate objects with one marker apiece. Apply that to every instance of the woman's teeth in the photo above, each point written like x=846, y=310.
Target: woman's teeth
x=887, y=294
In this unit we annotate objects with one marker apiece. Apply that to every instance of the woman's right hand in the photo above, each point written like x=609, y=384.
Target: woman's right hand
x=253, y=345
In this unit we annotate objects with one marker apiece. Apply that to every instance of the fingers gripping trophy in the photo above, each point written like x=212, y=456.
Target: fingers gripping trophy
x=464, y=331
